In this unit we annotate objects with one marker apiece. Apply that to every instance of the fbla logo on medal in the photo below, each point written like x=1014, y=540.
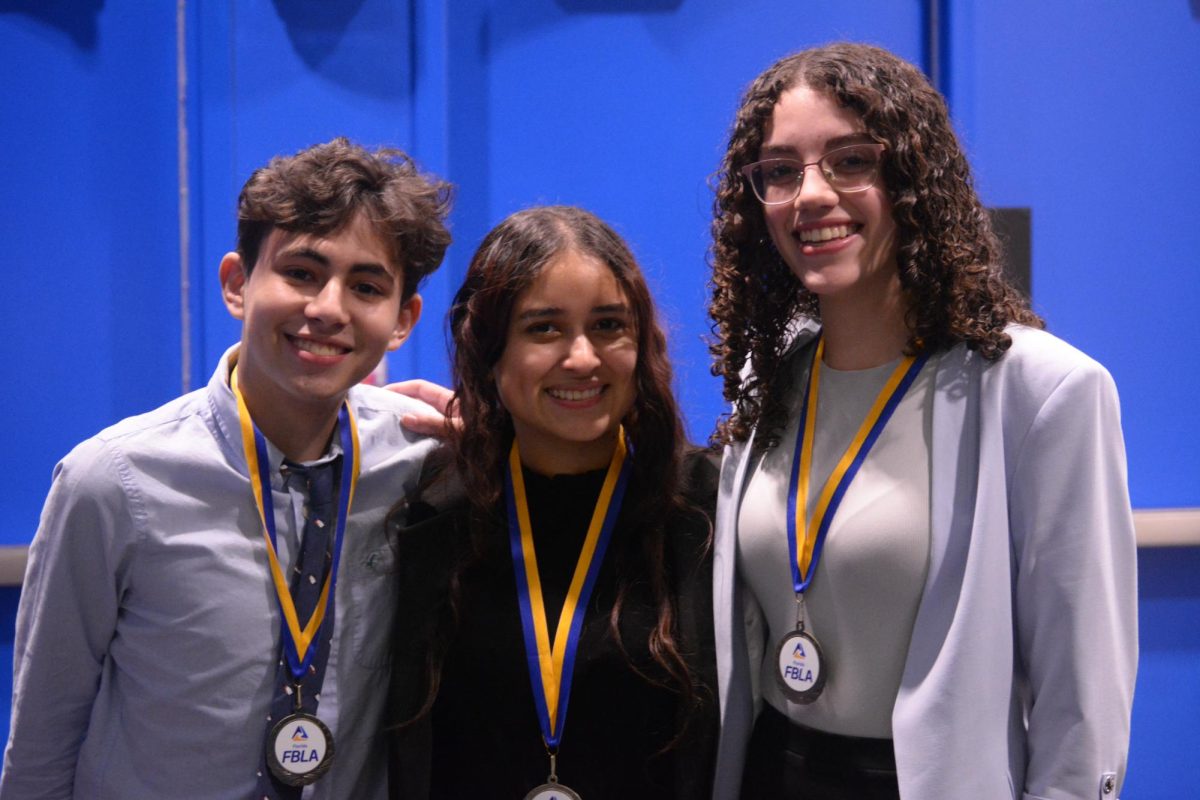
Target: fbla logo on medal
x=798, y=670
x=300, y=753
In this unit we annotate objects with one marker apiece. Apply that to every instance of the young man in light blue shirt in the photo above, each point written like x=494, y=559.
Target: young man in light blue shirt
x=154, y=632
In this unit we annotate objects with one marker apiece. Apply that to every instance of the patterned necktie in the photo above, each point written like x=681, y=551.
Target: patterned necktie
x=308, y=577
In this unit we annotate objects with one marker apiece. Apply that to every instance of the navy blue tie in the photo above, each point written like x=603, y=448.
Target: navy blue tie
x=308, y=577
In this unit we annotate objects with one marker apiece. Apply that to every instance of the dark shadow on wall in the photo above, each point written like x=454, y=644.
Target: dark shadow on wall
x=1195, y=8
x=626, y=6
x=9, y=597
x=361, y=45
x=316, y=27
x=519, y=21
x=76, y=18
x=1168, y=599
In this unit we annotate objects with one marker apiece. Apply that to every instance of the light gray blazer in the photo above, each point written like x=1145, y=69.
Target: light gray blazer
x=1019, y=678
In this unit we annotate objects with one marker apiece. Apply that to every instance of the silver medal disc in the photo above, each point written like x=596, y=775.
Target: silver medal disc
x=800, y=670
x=301, y=749
x=552, y=791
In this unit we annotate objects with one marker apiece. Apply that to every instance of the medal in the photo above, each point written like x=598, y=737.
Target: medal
x=801, y=669
x=552, y=789
x=301, y=749
x=300, y=746
x=551, y=664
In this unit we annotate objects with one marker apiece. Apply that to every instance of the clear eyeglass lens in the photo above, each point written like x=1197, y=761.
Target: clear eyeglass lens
x=847, y=169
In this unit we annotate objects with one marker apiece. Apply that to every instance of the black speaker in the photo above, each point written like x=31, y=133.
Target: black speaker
x=1014, y=227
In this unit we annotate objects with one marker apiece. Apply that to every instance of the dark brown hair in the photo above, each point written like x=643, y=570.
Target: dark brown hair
x=321, y=189
x=949, y=259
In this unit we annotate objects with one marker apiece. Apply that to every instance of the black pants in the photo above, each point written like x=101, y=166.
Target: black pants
x=786, y=760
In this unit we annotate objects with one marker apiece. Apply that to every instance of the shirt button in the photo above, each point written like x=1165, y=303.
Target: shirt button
x=1110, y=784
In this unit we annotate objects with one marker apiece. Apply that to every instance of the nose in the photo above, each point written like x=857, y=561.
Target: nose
x=328, y=305
x=581, y=355
x=815, y=191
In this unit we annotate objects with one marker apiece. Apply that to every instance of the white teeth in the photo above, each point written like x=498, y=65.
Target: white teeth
x=317, y=348
x=572, y=394
x=824, y=234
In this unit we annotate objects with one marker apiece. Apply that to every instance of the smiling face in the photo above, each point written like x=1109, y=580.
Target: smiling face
x=841, y=245
x=566, y=375
x=318, y=313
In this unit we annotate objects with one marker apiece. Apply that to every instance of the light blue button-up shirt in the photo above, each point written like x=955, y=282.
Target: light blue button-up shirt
x=148, y=630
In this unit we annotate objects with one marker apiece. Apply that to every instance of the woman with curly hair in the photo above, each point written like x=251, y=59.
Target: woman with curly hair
x=924, y=561
x=557, y=556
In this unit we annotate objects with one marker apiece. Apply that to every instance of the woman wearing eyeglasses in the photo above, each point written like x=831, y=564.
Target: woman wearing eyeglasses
x=555, y=637
x=924, y=557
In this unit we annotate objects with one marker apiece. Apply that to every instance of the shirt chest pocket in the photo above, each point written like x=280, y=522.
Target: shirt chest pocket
x=369, y=592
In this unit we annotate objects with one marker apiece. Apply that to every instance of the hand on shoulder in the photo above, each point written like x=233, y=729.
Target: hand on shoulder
x=436, y=412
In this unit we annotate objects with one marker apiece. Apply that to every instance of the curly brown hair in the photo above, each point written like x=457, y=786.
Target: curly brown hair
x=322, y=188
x=948, y=257
x=510, y=259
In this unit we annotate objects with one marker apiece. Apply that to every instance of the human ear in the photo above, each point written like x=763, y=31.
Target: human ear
x=233, y=283
x=406, y=320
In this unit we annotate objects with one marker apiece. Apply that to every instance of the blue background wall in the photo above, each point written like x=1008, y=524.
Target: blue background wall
x=1084, y=112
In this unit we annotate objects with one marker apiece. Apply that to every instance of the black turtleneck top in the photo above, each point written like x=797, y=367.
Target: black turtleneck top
x=626, y=735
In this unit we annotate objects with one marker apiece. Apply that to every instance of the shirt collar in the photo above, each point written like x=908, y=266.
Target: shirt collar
x=225, y=415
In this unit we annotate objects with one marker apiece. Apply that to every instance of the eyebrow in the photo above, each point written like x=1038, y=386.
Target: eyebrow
x=860, y=137
x=312, y=254
x=553, y=311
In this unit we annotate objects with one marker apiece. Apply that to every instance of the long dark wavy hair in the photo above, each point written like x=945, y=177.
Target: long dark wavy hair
x=509, y=260
x=949, y=259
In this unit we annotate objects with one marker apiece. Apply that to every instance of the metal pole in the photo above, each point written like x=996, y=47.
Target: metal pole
x=185, y=230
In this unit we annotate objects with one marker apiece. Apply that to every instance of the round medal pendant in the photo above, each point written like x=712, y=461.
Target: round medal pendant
x=301, y=749
x=552, y=791
x=801, y=667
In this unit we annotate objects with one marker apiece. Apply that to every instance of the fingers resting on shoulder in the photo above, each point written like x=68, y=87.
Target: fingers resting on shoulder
x=436, y=414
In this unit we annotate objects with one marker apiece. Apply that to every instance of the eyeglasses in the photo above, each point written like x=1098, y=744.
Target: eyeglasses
x=852, y=168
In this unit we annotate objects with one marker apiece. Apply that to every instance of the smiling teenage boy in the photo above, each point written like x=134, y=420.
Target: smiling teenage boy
x=208, y=603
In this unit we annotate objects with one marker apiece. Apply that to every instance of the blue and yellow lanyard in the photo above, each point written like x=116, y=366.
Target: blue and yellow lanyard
x=806, y=535
x=298, y=643
x=551, y=664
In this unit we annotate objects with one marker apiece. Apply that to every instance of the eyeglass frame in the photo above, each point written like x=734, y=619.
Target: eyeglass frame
x=748, y=170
